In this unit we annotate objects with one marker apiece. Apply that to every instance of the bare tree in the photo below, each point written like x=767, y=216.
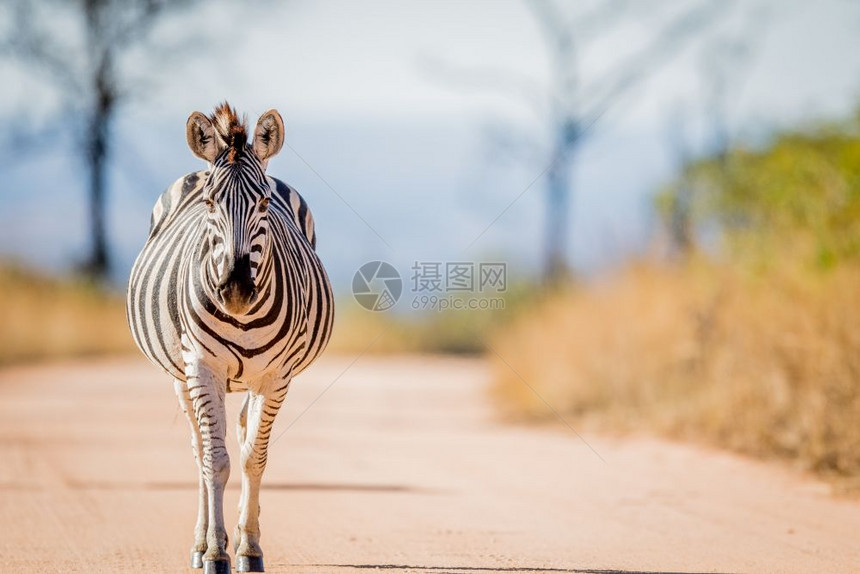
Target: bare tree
x=678, y=198
x=81, y=58
x=571, y=106
x=725, y=61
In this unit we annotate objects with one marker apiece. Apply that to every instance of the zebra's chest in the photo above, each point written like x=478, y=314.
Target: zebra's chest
x=246, y=348
x=243, y=360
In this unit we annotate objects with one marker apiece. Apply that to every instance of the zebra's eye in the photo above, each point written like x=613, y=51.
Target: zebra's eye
x=210, y=205
x=264, y=204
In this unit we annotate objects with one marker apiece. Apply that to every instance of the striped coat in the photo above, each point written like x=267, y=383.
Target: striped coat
x=287, y=333
x=228, y=294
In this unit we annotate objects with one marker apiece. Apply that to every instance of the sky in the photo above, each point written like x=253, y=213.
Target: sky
x=393, y=150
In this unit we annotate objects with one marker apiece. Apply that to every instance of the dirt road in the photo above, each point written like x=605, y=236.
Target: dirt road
x=399, y=466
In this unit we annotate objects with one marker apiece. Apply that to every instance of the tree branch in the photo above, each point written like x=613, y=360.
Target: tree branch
x=638, y=68
x=33, y=45
x=519, y=86
x=587, y=25
x=514, y=143
x=554, y=22
x=139, y=25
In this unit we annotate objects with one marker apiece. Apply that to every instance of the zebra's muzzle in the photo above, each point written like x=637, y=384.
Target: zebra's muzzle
x=236, y=289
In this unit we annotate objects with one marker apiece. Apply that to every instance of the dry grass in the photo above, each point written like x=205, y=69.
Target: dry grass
x=404, y=330
x=767, y=365
x=358, y=331
x=51, y=318
x=453, y=332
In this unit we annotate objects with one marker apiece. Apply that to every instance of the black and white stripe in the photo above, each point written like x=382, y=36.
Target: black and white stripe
x=293, y=312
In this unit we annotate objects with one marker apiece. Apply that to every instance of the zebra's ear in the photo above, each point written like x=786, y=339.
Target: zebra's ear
x=269, y=135
x=201, y=137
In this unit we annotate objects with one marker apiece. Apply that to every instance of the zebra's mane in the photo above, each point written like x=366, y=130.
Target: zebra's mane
x=231, y=129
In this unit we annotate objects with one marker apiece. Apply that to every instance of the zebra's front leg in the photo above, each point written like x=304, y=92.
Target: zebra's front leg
x=261, y=412
x=199, y=547
x=241, y=433
x=207, y=388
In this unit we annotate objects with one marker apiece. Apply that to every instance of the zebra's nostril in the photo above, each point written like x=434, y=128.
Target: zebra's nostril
x=238, y=274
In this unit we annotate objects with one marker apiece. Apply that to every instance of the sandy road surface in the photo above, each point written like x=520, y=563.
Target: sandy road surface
x=399, y=467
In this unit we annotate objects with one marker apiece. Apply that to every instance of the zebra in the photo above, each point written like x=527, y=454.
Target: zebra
x=229, y=295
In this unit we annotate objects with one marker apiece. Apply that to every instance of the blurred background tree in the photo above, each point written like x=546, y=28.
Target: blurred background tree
x=573, y=102
x=81, y=46
x=725, y=62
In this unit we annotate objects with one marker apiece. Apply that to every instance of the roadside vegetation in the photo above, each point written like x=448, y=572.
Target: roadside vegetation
x=750, y=341
x=50, y=318
x=457, y=332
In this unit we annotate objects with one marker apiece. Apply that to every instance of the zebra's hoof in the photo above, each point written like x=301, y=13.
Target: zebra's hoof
x=216, y=566
x=196, y=559
x=249, y=564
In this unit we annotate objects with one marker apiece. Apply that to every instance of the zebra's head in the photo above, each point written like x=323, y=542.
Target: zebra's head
x=236, y=248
